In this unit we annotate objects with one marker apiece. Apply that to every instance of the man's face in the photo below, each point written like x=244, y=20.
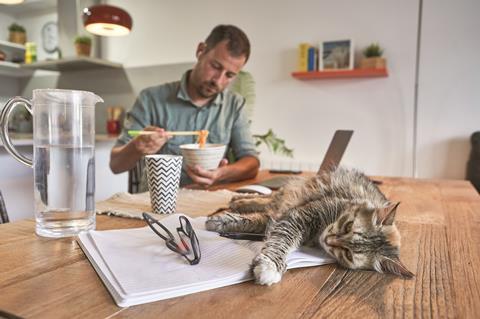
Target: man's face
x=215, y=70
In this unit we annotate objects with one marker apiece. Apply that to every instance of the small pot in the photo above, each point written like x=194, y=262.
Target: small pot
x=373, y=63
x=17, y=37
x=83, y=49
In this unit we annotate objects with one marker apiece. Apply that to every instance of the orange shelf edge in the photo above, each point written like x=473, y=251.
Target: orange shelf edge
x=340, y=74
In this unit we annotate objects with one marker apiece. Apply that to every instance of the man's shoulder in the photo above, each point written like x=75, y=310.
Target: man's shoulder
x=233, y=99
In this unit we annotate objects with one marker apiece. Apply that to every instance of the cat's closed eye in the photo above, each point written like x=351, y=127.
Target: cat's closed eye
x=348, y=227
x=348, y=255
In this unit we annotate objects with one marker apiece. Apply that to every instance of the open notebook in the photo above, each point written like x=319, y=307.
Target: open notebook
x=137, y=268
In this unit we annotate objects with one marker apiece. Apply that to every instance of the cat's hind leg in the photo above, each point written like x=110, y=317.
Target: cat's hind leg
x=250, y=204
x=245, y=204
x=232, y=222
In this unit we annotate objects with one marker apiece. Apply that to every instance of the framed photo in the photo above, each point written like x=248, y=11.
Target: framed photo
x=336, y=55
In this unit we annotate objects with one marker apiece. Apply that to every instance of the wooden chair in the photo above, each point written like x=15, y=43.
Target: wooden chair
x=3, y=211
x=135, y=177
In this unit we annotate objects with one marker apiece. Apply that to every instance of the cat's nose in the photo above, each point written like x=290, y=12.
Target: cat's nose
x=333, y=241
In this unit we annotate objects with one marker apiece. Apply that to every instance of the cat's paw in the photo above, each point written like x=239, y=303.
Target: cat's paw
x=265, y=271
x=215, y=223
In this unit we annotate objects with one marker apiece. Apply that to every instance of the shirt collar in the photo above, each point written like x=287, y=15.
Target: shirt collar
x=183, y=94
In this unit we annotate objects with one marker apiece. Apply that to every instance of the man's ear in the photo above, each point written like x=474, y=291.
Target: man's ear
x=201, y=48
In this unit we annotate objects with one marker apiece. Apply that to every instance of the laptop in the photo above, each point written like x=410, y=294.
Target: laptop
x=332, y=158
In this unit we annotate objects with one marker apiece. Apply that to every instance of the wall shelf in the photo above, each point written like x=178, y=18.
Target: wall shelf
x=340, y=74
x=13, y=52
x=14, y=70
x=11, y=46
x=73, y=64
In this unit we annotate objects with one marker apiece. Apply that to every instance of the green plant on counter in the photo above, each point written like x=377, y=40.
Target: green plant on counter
x=14, y=27
x=83, y=39
x=275, y=144
x=373, y=50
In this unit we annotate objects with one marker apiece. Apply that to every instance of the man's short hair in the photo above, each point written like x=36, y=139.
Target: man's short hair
x=237, y=40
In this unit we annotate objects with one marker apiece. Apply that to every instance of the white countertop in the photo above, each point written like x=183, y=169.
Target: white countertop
x=26, y=139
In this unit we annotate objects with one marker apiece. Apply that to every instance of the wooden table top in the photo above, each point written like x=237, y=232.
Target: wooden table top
x=440, y=225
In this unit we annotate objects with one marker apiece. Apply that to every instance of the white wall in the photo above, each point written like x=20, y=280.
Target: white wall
x=449, y=87
x=304, y=113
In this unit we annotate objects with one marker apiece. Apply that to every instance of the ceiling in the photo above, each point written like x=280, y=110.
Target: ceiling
x=28, y=7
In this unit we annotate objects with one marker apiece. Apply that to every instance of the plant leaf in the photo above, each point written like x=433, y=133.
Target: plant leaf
x=274, y=144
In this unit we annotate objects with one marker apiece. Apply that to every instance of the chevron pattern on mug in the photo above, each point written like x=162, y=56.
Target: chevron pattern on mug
x=163, y=175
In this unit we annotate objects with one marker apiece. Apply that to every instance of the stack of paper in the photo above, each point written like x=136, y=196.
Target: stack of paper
x=137, y=267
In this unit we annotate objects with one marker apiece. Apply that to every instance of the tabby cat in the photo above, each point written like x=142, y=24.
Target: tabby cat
x=341, y=211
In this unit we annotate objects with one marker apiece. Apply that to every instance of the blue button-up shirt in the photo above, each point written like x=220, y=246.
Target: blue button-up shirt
x=169, y=106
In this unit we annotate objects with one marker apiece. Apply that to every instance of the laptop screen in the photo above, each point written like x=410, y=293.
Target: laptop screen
x=332, y=158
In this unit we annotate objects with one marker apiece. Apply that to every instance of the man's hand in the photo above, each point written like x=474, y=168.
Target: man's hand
x=148, y=144
x=206, y=177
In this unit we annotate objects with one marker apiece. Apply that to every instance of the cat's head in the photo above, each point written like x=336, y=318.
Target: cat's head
x=366, y=238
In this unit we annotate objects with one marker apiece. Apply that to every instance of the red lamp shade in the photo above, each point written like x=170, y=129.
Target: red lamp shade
x=107, y=20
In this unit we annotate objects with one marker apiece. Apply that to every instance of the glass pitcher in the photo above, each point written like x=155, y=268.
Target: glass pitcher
x=63, y=158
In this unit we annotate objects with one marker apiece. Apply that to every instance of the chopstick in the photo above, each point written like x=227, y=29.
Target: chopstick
x=183, y=132
x=134, y=133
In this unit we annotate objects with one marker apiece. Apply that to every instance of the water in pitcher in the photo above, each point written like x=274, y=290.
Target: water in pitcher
x=64, y=189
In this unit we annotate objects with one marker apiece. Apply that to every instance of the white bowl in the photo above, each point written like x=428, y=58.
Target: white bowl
x=208, y=157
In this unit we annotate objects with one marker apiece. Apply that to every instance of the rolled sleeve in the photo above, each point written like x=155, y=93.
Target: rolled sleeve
x=242, y=142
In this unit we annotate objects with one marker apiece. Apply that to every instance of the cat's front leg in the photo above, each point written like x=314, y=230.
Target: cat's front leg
x=269, y=266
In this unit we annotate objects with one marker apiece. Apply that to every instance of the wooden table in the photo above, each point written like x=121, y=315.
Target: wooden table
x=439, y=221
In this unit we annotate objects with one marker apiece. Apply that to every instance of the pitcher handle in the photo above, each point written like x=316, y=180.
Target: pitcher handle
x=4, y=116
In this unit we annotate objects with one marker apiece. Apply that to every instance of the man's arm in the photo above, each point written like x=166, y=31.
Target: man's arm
x=244, y=168
x=124, y=157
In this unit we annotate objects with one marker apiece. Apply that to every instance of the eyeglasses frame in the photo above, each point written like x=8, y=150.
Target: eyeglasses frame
x=170, y=241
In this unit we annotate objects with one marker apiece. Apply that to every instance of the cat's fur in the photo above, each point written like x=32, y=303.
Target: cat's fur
x=341, y=211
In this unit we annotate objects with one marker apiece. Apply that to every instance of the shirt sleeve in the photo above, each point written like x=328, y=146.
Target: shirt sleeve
x=242, y=142
x=137, y=118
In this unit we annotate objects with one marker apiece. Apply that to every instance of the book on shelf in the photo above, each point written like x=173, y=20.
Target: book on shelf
x=136, y=266
x=312, y=59
x=303, y=57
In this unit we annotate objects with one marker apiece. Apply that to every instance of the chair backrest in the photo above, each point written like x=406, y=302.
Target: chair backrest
x=135, y=177
x=3, y=211
x=473, y=164
x=244, y=84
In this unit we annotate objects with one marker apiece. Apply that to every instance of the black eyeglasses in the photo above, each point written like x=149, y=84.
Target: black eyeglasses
x=191, y=253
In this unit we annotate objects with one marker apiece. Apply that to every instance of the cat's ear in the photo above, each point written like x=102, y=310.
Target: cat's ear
x=386, y=215
x=394, y=266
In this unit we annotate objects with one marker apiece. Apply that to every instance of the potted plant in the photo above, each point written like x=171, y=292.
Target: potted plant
x=17, y=34
x=373, y=57
x=275, y=144
x=83, y=45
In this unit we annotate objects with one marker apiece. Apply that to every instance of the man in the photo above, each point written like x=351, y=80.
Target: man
x=198, y=101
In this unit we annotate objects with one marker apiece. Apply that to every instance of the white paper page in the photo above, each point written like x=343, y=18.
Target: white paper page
x=141, y=263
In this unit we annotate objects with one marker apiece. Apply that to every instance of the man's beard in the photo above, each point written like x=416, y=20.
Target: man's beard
x=208, y=90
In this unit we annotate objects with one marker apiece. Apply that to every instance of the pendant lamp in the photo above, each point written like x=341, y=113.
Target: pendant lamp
x=107, y=20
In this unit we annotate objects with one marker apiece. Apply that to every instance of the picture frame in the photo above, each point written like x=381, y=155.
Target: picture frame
x=336, y=55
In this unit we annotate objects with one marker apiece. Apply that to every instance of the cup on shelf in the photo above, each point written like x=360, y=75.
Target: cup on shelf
x=113, y=127
x=114, y=114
